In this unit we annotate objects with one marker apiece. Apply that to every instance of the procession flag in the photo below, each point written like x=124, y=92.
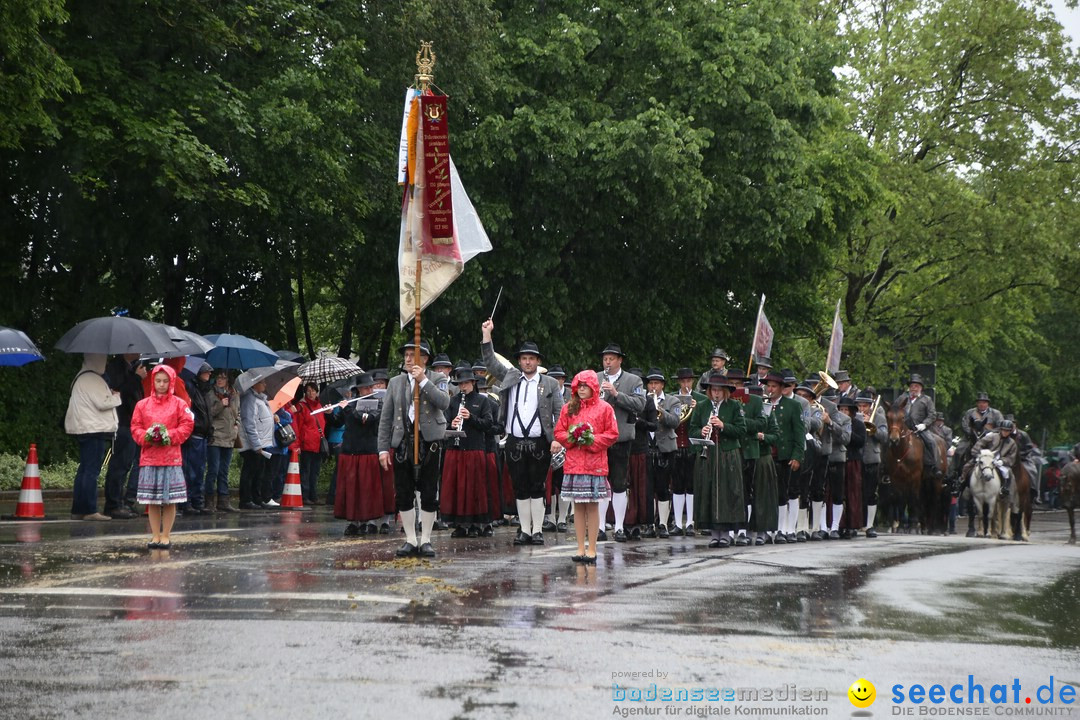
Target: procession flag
x=761, y=346
x=439, y=225
x=836, y=343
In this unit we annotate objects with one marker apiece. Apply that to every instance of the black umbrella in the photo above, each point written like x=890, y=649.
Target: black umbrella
x=187, y=342
x=291, y=356
x=16, y=348
x=116, y=335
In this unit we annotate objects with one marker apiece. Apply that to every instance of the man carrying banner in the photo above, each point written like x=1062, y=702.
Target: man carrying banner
x=396, y=428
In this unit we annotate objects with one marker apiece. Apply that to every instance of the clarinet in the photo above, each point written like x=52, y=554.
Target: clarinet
x=459, y=421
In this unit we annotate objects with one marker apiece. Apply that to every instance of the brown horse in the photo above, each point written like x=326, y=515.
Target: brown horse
x=1014, y=512
x=924, y=497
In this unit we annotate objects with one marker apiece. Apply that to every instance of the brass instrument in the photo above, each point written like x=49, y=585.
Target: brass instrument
x=659, y=407
x=823, y=382
x=686, y=408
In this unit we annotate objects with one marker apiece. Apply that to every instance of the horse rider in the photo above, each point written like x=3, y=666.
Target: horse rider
x=940, y=428
x=975, y=423
x=919, y=415
x=1069, y=490
x=1030, y=455
x=1006, y=452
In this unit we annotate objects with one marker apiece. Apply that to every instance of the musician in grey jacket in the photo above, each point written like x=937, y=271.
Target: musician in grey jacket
x=877, y=434
x=530, y=405
x=838, y=432
x=625, y=393
x=662, y=446
x=396, y=443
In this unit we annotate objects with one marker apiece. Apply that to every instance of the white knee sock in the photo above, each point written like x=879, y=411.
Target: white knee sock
x=689, y=508
x=427, y=521
x=620, y=501
x=837, y=513
x=564, y=510
x=803, y=520
x=680, y=503
x=871, y=511
x=792, y=515
x=602, y=523
x=781, y=519
x=537, y=514
x=408, y=523
x=819, y=515
x=662, y=513
x=524, y=510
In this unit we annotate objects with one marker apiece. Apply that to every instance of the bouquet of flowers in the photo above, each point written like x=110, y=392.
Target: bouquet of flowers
x=158, y=434
x=581, y=434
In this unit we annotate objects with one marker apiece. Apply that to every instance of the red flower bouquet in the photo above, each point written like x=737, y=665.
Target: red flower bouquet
x=581, y=434
x=158, y=434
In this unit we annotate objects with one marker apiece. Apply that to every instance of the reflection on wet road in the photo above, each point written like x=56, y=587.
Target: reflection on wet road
x=490, y=611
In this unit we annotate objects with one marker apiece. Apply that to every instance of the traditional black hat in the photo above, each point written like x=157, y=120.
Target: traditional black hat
x=789, y=377
x=656, y=374
x=637, y=371
x=528, y=348
x=613, y=349
x=865, y=396
x=808, y=385
x=683, y=373
x=1007, y=425
x=764, y=362
x=441, y=360
x=719, y=353
x=719, y=379
x=380, y=375
x=365, y=380
x=556, y=371
x=425, y=347
x=464, y=374
x=842, y=376
x=916, y=378
x=777, y=378
x=736, y=374
x=846, y=401
x=982, y=396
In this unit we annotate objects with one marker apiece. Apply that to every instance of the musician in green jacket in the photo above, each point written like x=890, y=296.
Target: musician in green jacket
x=718, y=485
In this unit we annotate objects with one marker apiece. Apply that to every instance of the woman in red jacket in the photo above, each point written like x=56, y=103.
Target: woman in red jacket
x=310, y=431
x=160, y=423
x=586, y=428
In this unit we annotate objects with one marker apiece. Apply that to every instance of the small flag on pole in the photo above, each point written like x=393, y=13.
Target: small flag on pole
x=836, y=343
x=761, y=346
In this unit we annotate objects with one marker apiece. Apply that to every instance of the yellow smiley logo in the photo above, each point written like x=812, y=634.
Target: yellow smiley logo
x=862, y=693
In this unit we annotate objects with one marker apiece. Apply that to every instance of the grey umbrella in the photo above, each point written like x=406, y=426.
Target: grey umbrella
x=187, y=342
x=115, y=335
x=274, y=376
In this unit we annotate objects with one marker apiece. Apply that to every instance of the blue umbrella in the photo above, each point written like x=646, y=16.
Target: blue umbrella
x=237, y=352
x=16, y=348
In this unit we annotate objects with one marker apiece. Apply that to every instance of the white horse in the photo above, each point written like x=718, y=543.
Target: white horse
x=985, y=486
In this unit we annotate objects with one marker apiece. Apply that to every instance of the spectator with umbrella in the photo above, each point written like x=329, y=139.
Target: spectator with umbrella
x=125, y=374
x=224, y=418
x=310, y=429
x=91, y=418
x=193, y=450
x=256, y=441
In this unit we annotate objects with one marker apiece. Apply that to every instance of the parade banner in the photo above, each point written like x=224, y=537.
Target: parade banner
x=763, y=333
x=434, y=139
x=470, y=239
x=836, y=343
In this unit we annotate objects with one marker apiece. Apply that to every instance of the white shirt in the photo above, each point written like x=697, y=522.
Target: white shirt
x=412, y=405
x=524, y=400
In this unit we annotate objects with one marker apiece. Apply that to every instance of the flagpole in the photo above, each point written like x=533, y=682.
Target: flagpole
x=425, y=64
x=753, y=343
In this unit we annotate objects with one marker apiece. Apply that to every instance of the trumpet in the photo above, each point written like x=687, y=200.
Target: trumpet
x=659, y=407
x=686, y=408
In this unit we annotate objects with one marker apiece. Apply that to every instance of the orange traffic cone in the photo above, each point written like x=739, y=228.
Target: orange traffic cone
x=292, y=497
x=31, y=506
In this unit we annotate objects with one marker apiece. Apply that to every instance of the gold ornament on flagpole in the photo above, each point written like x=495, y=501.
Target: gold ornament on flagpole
x=425, y=76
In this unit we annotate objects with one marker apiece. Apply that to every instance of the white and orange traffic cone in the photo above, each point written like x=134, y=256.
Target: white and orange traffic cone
x=292, y=497
x=31, y=505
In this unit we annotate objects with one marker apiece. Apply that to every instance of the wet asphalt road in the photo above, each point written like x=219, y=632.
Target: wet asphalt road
x=274, y=614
